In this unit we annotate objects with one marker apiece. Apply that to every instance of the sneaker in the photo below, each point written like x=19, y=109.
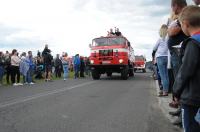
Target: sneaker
x=20, y=84
x=177, y=122
x=175, y=113
x=25, y=83
x=163, y=95
x=31, y=83
x=48, y=80
x=15, y=84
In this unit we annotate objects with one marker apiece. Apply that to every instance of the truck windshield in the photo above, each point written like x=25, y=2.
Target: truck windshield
x=139, y=58
x=109, y=41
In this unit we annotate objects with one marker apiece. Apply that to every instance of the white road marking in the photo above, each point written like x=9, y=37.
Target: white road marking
x=65, y=116
x=36, y=96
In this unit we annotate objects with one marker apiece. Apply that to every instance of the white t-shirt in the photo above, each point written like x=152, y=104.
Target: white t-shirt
x=15, y=60
x=161, y=47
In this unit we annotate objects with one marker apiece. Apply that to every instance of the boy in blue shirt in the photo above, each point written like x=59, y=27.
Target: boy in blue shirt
x=77, y=63
x=187, y=83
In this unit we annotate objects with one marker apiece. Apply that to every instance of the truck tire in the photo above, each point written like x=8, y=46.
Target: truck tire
x=95, y=74
x=109, y=74
x=124, y=73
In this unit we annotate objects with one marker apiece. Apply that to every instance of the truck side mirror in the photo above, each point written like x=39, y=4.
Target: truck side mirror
x=129, y=44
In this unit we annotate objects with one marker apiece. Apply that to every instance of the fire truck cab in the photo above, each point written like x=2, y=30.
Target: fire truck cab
x=140, y=63
x=111, y=54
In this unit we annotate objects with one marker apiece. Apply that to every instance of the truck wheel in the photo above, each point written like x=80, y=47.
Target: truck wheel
x=95, y=74
x=144, y=70
x=124, y=73
x=109, y=74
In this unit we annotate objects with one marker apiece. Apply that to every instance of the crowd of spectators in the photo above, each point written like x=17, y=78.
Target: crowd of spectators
x=20, y=69
x=176, y=56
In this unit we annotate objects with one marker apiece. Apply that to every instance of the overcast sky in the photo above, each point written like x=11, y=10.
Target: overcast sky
x=70, y=25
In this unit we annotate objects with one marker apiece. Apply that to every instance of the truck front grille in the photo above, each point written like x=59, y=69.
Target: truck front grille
x=105, y=53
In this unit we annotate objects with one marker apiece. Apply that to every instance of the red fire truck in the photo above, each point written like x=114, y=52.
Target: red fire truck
x=111, y=54
x=140, y=63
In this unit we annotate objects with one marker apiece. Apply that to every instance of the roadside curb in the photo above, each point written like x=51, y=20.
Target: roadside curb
x=163, y=103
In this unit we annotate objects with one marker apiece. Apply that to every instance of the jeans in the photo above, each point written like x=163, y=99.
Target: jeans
x=76, y=70
x=155, y=68
x=65, y=70
x=29, y=76
x=1, y=73
x=188, y=119
x=176, y=62
x=162, y=67
x=159, y=79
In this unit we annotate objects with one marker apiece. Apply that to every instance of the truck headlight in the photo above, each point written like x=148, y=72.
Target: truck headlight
x=121, y=61
x=92, y=61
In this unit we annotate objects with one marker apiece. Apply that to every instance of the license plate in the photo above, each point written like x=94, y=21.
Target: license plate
x=106, y=62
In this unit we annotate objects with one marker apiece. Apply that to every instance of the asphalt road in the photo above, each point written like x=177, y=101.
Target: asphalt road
x=83, y=105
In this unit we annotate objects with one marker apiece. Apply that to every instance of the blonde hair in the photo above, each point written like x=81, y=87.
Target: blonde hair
x=163, y=31
x=173, y=16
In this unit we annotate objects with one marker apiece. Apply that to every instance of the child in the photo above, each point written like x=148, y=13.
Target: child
x=65, y=63
x=23, y=67
x=186, y=86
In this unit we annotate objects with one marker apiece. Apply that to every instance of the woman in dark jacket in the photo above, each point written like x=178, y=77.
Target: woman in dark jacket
x=58, y=66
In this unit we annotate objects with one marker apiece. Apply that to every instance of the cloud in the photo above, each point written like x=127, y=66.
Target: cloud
x=6, y=31
x=155, y=2
x=16, y=38
x=70, y=25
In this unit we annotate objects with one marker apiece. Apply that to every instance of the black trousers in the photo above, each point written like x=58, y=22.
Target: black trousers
x=82, y=72
x=171, y=80
x=58, y=71
x=15, y=71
